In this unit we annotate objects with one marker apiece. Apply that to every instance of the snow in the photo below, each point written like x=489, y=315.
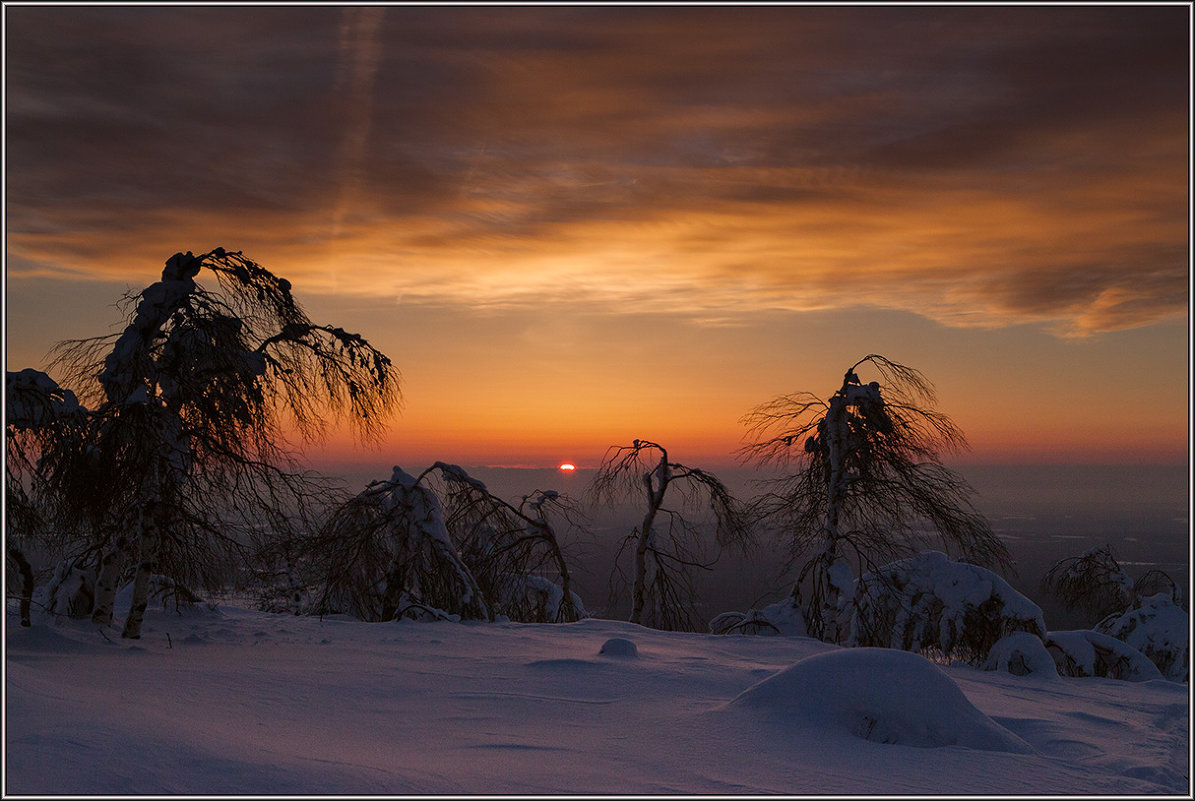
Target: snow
x=928, y=598
x=1091, y=653
x=879, y=695
x=1022, y=654
x=224, y=699
x=1159, y=629
x=33, y=399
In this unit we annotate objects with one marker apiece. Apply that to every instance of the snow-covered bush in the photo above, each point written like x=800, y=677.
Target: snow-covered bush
x=530, y=598
x=928, y=602
x=163, y=591
x=753, y=621
x=285, y=592
x=1022, y=654
x=1159, y=628
x=71, y=590
x=1147, y=613
x=1086, y=653
x=513, y=550
x=784, y=617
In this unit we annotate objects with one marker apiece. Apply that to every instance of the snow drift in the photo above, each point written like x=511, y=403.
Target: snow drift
x=229, y=700
x=881, y=695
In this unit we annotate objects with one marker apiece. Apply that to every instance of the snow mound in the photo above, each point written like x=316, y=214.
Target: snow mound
x=1022, y=654
x=617, y=646
x=881, y=695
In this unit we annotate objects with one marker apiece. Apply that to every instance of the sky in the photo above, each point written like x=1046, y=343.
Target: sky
x=571, y=227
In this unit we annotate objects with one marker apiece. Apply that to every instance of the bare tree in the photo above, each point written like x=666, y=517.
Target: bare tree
x=183, y=458
x=868, y=487
x=668, y=544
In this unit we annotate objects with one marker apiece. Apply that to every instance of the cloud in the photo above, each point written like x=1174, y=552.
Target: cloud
x=979, y=166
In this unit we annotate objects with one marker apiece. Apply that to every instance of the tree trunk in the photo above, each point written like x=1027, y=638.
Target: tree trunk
x=26, y=582
x=148, y=547
x=655, y=499
x=111, y=565
x=819, y=605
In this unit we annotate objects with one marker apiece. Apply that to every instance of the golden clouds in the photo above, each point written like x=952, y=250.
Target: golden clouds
x=979, y=167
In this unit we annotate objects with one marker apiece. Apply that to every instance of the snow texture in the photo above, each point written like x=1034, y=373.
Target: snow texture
x=228, y=700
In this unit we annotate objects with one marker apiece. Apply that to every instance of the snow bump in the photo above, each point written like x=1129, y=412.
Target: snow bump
x=881, y=695
x=617, y=646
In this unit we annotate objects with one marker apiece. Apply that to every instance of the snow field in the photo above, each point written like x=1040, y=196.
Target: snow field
x=230, y=700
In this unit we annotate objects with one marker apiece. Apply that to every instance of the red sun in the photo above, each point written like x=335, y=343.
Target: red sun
x=568, y=467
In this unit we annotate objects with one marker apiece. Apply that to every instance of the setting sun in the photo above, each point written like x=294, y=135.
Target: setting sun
x=568, y=467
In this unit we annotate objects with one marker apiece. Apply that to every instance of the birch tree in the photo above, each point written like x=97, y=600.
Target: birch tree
x=667, y=545
x=38, y=412
x=184, y=455
x=868, y=486
x=441, y=545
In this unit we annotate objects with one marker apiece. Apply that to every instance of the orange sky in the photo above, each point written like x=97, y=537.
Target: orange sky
x=572, y=227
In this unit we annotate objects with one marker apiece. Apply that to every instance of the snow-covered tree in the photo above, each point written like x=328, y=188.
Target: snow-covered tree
x=1146, y=613
x=514, y=550
x=38, y=412
x=183, y=457
x=868, y=488
x=440, y=545
x=668, y=544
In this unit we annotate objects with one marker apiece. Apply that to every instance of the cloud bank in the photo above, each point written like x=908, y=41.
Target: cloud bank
x=981, y=166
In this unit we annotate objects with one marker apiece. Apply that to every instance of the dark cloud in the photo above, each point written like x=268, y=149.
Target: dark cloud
x=1028, y=158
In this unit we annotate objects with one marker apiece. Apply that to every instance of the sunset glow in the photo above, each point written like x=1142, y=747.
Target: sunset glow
x=570, y=227
x=567, y=467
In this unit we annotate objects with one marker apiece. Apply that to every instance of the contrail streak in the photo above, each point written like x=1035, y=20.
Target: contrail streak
x=360, y=49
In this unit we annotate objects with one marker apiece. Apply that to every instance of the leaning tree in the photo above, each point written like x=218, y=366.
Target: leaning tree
x=439, y=545
x=184, y=456
x=668, y=545
x=868, y=486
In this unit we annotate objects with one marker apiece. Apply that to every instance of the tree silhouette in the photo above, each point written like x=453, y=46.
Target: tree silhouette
x=38, y=413
x=441, y=544
x=868, y=487
x=667, y=543
x=1096, y=582
x=184, y=457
